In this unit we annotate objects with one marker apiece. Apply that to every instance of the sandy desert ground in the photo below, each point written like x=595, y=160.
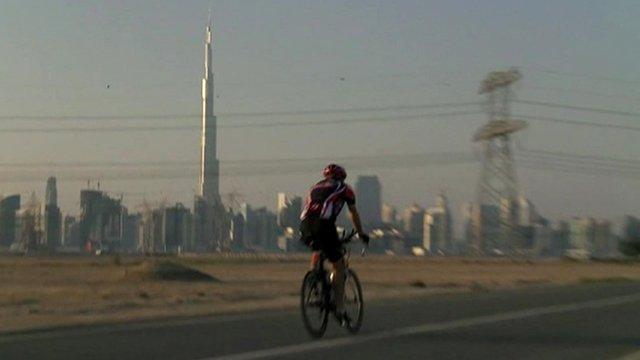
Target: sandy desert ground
x=44, y=292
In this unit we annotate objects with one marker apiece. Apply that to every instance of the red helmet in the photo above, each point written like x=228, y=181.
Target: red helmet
x=334, y=171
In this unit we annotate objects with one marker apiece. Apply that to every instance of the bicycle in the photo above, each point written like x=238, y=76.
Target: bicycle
x=316, y=295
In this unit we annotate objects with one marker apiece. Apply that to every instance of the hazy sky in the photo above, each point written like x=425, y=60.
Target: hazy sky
x=57, y=58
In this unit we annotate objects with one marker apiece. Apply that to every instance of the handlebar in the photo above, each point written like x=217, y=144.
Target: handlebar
x=347, y=238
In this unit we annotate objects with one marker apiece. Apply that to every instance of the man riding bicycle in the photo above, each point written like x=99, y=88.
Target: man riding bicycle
x=323, y=204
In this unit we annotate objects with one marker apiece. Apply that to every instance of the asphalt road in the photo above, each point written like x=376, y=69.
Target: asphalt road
x=594, y=321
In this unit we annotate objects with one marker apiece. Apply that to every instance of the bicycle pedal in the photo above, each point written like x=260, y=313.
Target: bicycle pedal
x=344, y=320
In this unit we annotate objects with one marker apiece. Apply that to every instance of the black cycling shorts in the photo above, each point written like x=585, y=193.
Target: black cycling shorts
x=322, y=235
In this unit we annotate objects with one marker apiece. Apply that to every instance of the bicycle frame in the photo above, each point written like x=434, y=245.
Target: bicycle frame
x=323, y=277
x=318, y=257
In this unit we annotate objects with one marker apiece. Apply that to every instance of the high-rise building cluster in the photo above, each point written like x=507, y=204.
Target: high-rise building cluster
x=417, y=231
x=105, y=225
x=499, y=223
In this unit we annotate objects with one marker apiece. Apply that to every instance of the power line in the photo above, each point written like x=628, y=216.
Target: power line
x=584, y=76
x=273, y=166
x=137, y=128
x=524, y=163
x=582, y=92
x=144, y=128
x=590, y=158
x=578, y=122
x=356, y=120
x=578, y=163
x=90, y=164
x=436, y=158
x=578, y=108
x=239, y=114
x=444, y=156
x=568, y=165
x=585, y=170
x=304, y=165
x=306, y=123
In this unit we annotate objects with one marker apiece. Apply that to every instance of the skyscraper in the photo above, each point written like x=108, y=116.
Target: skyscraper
x=209, y=166
x=71, y=229
x=165, y=229
x=281, y=208
x=8, y=208
x=581, y=234
x=260, y=228
x=176, y=228
x=288, y=210
x=438, y=228
x=100, y=225
x=368, y=196
x=52, y=216
x=211, y=219
x=389, y=214
x=413, y=220
x=51, y=193
x=29, y=225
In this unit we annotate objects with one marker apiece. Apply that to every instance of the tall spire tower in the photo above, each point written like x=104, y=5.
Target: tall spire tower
x=211, y=220
x=208, y=187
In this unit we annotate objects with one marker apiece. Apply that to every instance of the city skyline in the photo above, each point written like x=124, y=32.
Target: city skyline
x=380, y=179
x=106, y=225
x=171, y=80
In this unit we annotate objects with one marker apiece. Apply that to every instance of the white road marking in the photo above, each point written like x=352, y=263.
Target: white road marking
x=427, y=328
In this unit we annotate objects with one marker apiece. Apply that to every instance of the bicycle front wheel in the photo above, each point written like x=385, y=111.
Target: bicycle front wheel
x=314, y=304
x=353, y=302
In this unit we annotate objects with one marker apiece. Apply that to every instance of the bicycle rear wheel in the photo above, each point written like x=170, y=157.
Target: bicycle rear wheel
x=353, y=302
x=314, y=304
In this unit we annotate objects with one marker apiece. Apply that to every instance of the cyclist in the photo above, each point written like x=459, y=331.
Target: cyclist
x=323, y=204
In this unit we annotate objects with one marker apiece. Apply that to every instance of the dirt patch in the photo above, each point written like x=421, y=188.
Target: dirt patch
x=418, y=284
x=56, y=291
x=167, y=270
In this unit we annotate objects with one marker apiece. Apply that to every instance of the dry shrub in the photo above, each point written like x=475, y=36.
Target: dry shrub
x=167, y=270
x=418, y=284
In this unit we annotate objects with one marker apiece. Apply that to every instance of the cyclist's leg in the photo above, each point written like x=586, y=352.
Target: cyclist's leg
x=338, y=284
x=315, y=258
x=333, y=251
x=309, y=236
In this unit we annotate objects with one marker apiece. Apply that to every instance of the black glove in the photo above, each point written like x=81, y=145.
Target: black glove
x=364, y=238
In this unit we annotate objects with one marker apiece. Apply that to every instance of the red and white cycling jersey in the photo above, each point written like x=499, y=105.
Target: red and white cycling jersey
x=326, y=198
